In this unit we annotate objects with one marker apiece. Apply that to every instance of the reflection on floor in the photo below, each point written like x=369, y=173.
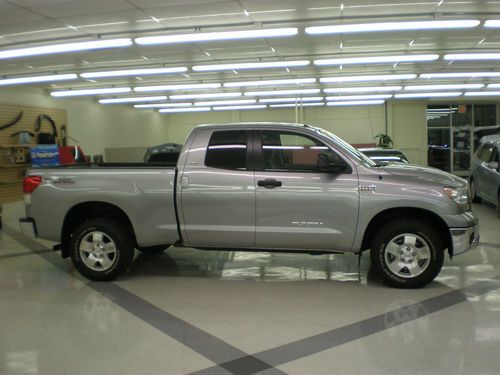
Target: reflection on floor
x=209, y=312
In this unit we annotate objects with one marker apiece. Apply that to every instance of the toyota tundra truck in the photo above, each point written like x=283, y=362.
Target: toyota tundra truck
x=255, y=187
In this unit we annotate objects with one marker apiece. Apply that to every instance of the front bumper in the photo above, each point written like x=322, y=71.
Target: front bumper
x=27, y=226
x=464, y=239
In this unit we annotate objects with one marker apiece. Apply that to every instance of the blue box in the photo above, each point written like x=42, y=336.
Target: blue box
x=45, y=156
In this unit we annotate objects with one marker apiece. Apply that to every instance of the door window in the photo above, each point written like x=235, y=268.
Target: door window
x=227, y=150
x=487, y=153
x=295, y=152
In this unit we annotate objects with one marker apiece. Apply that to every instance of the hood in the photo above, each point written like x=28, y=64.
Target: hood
x=429, y=174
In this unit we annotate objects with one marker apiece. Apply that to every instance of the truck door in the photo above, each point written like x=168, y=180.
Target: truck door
x=297, y=205
x=217, y=192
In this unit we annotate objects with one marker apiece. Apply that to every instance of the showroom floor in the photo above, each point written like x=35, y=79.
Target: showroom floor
x=189, y=311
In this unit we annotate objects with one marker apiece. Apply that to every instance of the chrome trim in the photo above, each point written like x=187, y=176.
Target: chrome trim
x=464, y=239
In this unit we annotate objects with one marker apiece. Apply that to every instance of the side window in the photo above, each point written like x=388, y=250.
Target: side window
x=487, y=153
x=495, y=154
x=480, y=150
x=295, y=152
x=227, y=150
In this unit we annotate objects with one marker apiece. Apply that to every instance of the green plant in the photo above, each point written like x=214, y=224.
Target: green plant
x=383, y=140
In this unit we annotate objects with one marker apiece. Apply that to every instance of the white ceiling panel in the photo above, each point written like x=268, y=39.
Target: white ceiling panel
x=13, y=17
x=75, y=8
x=161, y=3
x=5, y=6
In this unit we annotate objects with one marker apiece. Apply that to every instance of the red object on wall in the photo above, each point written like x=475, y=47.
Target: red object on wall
x=71, y=155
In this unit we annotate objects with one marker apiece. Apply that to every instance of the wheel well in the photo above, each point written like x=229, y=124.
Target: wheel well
x=86, y=211
x=408, y=212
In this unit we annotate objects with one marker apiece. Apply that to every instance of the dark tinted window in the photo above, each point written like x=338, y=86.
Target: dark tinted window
x=479, y=151
x=227, y=150
x=487, y=152
x=295, y=152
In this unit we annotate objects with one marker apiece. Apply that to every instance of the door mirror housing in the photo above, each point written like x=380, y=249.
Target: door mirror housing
x=335, y=167
x=493, y=165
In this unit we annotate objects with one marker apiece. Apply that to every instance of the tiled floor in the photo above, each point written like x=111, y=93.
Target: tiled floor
x=190, y=311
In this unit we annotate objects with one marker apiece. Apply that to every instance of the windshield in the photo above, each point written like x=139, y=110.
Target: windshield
x=354, y=152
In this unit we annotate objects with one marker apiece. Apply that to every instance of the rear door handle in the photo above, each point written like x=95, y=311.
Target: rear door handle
x=269, y=183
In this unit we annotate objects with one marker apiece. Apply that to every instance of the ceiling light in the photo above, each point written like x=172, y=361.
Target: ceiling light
x=242, y=66
x=493, y=86
x=108, y=90
x=392, y=26
x=356, y=102
x=341, y=90
x=217, y=35
x=376, y=59
x=292, y=100
x=381, y=77
x=66, y=47
x=176, y=110
x=225, y=102
x=36, y=79
x=239, y=107
x=428, y=95
x=460, y=75
x=292, y=105
x=472, y=56
x=190, y=86
x=163, y=105
x=492, y=23
x=457, y=86
x=206, y=96
x=133, y=72
x=273, y=82
x=282, y=92
x=132, y=100
x=359, y=97
x=482, y=93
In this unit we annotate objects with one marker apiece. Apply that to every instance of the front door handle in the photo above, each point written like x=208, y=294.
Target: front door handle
x=269, y=183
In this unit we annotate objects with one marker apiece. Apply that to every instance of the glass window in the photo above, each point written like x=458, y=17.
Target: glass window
x=480, y=151
x=485, y=115
x=439, y=115
x=461, y=115
x=227, y=150
x=439, y=149
x=295, y=152
x=487, y=153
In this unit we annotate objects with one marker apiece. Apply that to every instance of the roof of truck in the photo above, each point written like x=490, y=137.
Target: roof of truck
x=247, y=124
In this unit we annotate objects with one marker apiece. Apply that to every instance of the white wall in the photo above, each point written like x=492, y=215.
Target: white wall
x=97, y=126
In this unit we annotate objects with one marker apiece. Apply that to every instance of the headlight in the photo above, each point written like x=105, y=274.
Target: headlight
x=459, y=195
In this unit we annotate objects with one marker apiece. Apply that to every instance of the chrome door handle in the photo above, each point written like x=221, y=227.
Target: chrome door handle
x=269, y=183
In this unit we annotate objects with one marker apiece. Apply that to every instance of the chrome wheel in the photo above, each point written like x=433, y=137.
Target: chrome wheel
x=407, y=255
x=98, y=251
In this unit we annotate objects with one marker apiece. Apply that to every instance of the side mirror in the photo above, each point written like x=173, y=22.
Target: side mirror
x=334, y=167
x=493, y=165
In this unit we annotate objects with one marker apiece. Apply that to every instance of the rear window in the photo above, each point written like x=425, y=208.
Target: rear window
x=227, y=150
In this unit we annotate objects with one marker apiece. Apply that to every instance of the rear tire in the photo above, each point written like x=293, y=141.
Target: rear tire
x=101, y=249
x=473, y=192
x=407, y=254
x=153, y=250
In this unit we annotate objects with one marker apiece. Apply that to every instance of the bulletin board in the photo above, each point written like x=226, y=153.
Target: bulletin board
x=12, y=167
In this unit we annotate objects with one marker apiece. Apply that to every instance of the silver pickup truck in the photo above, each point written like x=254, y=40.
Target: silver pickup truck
x=255, y=187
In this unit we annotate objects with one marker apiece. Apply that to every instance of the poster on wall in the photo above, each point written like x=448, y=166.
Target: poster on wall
x=44, y=156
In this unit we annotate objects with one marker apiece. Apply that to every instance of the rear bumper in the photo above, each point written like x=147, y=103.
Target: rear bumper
x=464, y=239
x=27, y=226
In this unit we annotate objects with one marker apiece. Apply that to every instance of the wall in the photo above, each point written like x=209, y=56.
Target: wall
x=94, y=125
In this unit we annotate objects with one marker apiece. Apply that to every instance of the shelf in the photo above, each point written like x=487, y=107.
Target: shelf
x=11, y=181
x=12, y=146
x=24, y=165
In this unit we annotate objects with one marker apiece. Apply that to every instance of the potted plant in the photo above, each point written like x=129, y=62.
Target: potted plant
x=383, y=140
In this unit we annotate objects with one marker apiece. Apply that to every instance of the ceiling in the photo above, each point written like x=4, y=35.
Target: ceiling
x=26, y=23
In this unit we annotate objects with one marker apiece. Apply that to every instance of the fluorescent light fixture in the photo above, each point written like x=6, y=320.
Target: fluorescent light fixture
x=460, y=75
x=217, y=35
x=132, y=100
x=457, y=86
x=428, y=95
x=133, y=72
x=37, y=79
x=292, y=100
x=272, y=82
x=482, y=93
x=376, y=60
x=282, y=92
x=378, y=77
x=66, y=47
x=239, y=107
x=492, y=23
x=291, y=105
x=343, y=90
x=257, y=65
x=493, y=86
x=225, y=102
x=359, y=97
x=355, y=102
x=472, y=56
x=391, y=26
x=178, y=110
x=189, y=86
x=103, y=91
x=206, y=96
x=163, y=105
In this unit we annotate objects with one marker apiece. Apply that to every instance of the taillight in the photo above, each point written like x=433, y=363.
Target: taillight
x=30, y=183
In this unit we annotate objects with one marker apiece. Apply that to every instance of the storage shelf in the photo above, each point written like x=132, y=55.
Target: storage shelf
x=11, y=181
x=13, y=145
x=24, y=165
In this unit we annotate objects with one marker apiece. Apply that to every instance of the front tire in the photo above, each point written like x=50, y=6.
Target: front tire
x=101, y=249
x=407, y=254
